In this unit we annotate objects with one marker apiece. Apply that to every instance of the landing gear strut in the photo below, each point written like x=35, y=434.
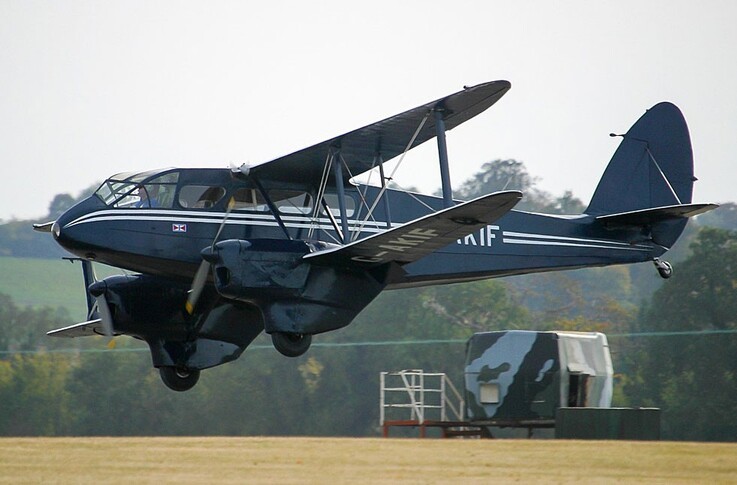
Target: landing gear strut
x=665, y=270
x=291, y=344
x=179, y=378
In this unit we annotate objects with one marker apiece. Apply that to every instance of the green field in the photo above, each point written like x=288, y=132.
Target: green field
x=345, y=460
x=46, y=282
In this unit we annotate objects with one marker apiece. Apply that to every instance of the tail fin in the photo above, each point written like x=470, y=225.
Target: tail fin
x=653, y=166
x=649, y=181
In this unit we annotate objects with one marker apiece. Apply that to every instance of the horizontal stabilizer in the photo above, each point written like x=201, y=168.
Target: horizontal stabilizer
x=84, y=329
x=644, y=217
x=416, y=239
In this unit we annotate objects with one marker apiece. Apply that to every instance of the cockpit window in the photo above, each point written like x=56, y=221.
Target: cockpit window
x=200, y=196
x=126, y=190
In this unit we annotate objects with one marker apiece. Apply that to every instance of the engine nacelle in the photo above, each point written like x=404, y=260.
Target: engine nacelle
x=294, y=296
x=152, y=309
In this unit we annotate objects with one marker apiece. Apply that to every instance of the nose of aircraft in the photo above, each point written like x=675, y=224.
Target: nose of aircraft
x=69, y=235
x=53, y=227
x=60, y=233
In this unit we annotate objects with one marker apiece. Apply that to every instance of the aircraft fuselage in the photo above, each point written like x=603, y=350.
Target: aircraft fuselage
x=167, y=241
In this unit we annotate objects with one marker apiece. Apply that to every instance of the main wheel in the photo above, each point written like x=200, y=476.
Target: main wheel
x=179, y=378
x=291, y=344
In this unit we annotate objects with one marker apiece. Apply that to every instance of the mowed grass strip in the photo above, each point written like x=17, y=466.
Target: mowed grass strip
x=365, y=460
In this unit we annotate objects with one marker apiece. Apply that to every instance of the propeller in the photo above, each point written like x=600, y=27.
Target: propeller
x=98, y=290
x=198, y=284
x=200, y=278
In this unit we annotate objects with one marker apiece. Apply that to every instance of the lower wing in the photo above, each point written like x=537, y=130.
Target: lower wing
x=420, y=237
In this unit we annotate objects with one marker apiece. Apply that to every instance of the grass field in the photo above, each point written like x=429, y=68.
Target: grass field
x=46, y=282
x=375, y=460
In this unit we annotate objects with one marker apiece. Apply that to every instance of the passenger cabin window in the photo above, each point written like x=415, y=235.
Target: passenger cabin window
x=286, y=201
x=291, y=201
x=332, y=201
x=249, y=199
x=200, y=196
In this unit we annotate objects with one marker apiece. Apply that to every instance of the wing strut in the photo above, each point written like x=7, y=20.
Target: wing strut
x=387, y=206
x=338, y=170
x=274, y=210
x=443, y=156
x=384, y=187
x=314, y=222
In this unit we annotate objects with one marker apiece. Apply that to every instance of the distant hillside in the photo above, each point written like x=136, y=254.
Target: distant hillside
x=46, y=282
x=18, y=239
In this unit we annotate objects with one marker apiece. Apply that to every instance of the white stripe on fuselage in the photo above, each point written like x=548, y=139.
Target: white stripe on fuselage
x=299, y=222
x=306, y=222
x=511, y=237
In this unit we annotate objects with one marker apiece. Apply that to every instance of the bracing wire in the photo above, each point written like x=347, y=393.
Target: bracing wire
x=396, y=167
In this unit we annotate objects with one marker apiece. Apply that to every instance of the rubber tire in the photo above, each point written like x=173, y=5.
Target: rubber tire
x=179, y=379
x=667, y=271
x=291, y=344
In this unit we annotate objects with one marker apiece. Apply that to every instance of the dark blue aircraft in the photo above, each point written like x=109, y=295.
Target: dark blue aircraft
x=293, y=248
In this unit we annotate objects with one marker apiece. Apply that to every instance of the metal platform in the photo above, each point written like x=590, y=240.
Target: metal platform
x=417, y=399
x=425, y=400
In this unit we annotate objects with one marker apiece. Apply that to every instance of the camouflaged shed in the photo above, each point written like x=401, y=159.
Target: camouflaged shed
x=520, y=376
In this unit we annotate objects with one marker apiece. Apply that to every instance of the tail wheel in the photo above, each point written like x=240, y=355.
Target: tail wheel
x=291, y=344
x=179, y=378
x=665, y=269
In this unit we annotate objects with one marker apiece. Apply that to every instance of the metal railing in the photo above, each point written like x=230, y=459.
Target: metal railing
x=425, y=395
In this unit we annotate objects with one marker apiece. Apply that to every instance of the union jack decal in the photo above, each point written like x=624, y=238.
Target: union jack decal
x=179, y=228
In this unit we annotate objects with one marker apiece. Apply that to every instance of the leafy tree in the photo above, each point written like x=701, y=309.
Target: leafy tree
x=495, y=176
x=33, y=395
x=60, y=204
x=513, y=175
x=724, y=217
x=475, y=307
x=24, y=329
x=693, y=377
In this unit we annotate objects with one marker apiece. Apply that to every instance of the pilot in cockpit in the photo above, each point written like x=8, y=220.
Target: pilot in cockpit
x=148, y=196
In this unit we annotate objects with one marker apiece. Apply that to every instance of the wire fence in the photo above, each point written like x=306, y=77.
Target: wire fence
x=374, y=343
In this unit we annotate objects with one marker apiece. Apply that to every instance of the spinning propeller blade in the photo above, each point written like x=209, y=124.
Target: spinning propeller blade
x=200, y=278
x=98, y=290
x=198, y=284
x=105, y=316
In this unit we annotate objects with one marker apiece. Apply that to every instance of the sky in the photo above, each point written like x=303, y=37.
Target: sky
x=89, y=89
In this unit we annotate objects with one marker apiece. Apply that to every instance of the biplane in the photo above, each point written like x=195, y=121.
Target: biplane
x=295, y=247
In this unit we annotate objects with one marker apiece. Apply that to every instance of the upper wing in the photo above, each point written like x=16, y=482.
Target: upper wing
x=387, y=138
x=418, y=238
